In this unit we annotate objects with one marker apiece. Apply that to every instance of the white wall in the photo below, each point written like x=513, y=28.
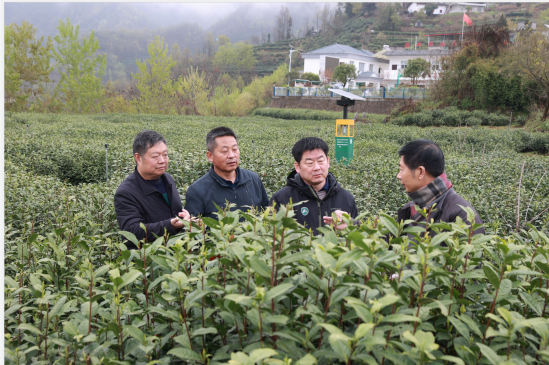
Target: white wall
x=312, y=65
x=419, y=6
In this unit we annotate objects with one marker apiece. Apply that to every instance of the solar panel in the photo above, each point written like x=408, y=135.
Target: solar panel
x=346, y=94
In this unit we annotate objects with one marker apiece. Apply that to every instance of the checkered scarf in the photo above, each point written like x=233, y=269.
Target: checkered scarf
x=429, y=194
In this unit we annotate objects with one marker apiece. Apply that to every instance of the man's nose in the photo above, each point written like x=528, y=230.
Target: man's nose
x=231, y=154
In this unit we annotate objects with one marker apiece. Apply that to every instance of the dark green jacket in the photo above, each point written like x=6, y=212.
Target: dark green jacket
x=310, y=213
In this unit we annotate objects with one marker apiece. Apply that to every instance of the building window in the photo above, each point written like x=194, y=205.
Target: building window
x=351, y=62
x=371, y=67
x=394, y=67
x=403, y=64
x=361, y=66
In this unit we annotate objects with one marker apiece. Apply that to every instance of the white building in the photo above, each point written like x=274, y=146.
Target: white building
x=398, y=61
x=329, y=57
x=461, y=7
x=374, y=70
x=441, y=8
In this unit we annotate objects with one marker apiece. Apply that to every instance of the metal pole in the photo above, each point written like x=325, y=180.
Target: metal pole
x=462, y=27
x=345, y=112
x=106, y=162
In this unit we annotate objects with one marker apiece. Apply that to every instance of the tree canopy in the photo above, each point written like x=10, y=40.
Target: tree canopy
x=345, y=73
x=81, y=69
x=416, y=68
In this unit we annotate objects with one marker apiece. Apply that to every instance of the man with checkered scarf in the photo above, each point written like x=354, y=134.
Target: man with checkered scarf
x=422, y=176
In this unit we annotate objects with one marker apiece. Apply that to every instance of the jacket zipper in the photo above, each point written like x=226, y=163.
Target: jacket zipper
x=318, y=201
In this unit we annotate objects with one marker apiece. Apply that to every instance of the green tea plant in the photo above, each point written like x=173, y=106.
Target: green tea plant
x=62, y=156
x=255, y=287
x=259, y=288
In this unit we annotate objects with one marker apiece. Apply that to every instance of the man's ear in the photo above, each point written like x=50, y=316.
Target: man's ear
x=421, y=173
x=137, y=158
x=210, y=156
x=296, y=166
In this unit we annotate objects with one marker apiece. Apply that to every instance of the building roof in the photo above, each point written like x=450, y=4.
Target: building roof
x=467, y=4
x=340, y=48
x=434, y=52
x=368, y=75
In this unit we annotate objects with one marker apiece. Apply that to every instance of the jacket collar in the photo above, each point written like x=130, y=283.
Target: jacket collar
x=146, y=187
x=242, y=178
x=294, y=180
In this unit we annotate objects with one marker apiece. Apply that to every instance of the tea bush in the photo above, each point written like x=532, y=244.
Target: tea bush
x=452, y=116
x=311, y=114
x=489, y=181
x=258, y=288
x=251, y=289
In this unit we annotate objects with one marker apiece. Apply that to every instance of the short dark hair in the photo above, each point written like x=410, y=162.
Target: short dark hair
x=217, y=132
x=423, y=152
x=145, y=140
x=308, y=144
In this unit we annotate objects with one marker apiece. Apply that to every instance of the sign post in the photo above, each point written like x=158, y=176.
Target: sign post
x=345, y=133
x=345, y=128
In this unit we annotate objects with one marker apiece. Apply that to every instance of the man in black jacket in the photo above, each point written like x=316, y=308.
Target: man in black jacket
x=225, y=181
x=149, y=194
x=422, y=176
x=311, y=182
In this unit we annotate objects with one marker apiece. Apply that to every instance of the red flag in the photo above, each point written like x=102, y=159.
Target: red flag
x=430, y=44
x=454, y=43
x=419, y=44
x=467, y=20
x=442, y=44
x=407, y=45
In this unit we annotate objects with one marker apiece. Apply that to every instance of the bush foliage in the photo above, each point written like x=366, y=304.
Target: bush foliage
x=256, y=287
x=311, y=114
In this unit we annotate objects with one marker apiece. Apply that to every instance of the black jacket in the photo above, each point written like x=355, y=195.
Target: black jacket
x=211, y=188
x=310, y=213
x=136, y=201
x=447, y=210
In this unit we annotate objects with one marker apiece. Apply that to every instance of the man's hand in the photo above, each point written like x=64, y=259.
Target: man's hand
x=339, y=215
x=178, y=223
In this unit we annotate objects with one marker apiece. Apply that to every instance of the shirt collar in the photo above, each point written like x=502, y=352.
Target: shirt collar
x=327, y=186
x=229, y=182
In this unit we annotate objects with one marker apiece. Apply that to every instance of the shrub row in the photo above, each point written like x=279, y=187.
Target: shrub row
x=454, y=117
x=310, y=114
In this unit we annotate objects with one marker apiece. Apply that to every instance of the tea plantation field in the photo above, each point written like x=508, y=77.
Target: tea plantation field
x=258, y=288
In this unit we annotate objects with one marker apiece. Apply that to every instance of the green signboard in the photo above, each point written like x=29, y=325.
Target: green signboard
x=344, y=149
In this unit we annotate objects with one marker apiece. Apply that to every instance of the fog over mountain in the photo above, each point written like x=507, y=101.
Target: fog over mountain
x=238, y=21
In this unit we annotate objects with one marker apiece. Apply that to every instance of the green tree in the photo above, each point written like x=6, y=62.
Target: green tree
x=528, y=57
x=416, y=68
x=543, y=17
x=194, y=91
x=357, y=9
x=153, y=80
x=223, y=40
x=208, y=47
x=369, y=8
x=30, y=59
x=238, y=57
x=430, y=8
x=81, y=69
x=345, y=73
x=388, y=19
x=310, y=76
x=502, y=22
x=13, y=98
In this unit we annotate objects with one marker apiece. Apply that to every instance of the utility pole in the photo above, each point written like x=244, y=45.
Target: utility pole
x=290, y=69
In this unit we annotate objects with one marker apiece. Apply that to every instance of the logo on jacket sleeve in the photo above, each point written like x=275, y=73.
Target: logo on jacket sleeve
x=304, y=210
